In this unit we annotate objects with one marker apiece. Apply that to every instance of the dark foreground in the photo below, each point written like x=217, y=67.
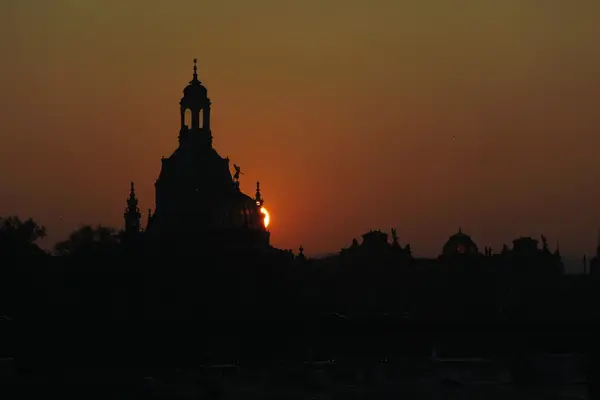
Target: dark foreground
x=424, y=379
x=327, y=358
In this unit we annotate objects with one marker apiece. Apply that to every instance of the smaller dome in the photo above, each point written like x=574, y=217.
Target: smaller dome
x=525, y=245
x=377, y=236
x=460, y=243
x=195, y=91
x=239, y=211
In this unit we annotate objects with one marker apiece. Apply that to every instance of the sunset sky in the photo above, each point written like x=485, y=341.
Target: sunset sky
x=354, y=115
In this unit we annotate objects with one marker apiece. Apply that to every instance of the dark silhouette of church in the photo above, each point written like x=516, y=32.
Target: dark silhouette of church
x=198, y=200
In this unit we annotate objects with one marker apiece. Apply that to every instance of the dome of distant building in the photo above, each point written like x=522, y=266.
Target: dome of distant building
x=525, y=244
x=460, y=243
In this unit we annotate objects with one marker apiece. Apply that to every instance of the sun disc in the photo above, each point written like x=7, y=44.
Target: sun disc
x=267, y=217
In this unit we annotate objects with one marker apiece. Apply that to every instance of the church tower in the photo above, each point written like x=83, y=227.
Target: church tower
x=198, y=201
x=132, y=213
x=195, y=112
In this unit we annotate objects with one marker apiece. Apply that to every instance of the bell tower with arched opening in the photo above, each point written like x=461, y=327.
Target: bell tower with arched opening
x=195, y=112
x=197, y=199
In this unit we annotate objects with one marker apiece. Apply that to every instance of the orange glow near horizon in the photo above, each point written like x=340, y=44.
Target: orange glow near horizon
x=483, y=115
x=267, y=217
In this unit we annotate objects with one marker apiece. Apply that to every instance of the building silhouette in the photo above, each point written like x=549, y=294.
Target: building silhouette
x=524, y=257
x=459, y=244
x=198, y=200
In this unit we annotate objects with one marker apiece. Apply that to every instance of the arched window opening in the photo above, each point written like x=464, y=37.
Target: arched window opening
x=201, y=119
x=188, y=118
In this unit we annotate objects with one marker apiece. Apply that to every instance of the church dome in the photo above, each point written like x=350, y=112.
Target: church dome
x=239, y=211
x=459, y=243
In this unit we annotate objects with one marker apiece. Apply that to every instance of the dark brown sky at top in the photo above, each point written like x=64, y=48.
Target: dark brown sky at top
x=424, y=115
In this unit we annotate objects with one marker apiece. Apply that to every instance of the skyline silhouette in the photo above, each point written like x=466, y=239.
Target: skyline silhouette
x=376, y=117
x=429, y=171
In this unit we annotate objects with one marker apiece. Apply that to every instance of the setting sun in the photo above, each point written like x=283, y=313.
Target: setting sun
x=267, y=218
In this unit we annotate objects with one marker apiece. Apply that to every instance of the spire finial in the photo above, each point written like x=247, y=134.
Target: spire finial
x=195, y=69
x=258, y=198
x=132, y=202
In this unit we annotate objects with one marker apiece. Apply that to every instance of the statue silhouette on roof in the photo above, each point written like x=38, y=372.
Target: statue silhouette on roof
x=238, y=172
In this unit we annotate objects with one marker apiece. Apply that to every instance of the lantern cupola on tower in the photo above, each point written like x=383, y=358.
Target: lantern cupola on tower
x=195, y=111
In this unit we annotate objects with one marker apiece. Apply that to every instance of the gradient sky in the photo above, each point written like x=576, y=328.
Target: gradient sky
x=421, y=115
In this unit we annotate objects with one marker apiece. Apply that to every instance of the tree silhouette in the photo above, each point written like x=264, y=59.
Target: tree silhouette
x=18, y=237
x=90, y=241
